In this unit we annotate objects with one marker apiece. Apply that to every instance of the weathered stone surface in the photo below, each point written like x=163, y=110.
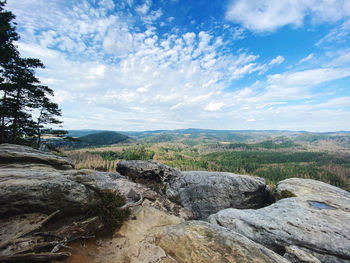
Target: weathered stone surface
x=41, y=188
x=297, y=255
x=316, y=220
x=205, y=193
x=132, y=192
x=13, y=153
x=151, y=173
x=133, y=242
x=34, y=181
x=197, y=241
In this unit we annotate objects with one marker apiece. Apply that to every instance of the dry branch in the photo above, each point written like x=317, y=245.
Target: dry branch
x=30, y=230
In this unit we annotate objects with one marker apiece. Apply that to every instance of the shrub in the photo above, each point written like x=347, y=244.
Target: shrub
x=109, y=209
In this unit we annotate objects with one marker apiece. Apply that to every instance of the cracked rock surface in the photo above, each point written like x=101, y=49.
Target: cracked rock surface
x=316, y=220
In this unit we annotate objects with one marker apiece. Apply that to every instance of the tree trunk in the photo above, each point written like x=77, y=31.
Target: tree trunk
x=38, y=128
x=15, y=117
x=2, y=137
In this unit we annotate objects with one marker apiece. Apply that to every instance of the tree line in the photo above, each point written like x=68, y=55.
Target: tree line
x=26, y=107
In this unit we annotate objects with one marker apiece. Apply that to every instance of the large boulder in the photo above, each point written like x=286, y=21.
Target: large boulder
x=13, y=153
x=41, y=188
x=29, y=186
x=314, y=219
x=205, y=193
x=133, y=191
x=151, y=173
x=155, y=236
x=197, y=241
x=35, y=181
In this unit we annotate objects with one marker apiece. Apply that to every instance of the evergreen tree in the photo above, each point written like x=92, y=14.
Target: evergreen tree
x=48, y=112
x=22, y=96
x=8, y=53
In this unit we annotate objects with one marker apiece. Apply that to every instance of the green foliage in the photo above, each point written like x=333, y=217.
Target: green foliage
x=21, y=93
x=109, y=155
x=102, y=138
x=269, y=144
x=138, y=152
x=283, y=194
x=109, y=209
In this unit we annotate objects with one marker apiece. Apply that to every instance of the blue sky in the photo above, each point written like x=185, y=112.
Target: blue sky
x=168, y=64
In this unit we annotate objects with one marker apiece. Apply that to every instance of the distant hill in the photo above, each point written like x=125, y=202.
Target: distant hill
x=80, y=133
x=103, y=138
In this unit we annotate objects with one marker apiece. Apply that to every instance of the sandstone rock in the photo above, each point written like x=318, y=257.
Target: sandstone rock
x=197, y=241
x=132, y=243
x=151, y=173
x=13, y=153
x=41, y=188
x=316, y=220
x=132, y=192
x=34, y=181
x=205, y=193
x=297, y=255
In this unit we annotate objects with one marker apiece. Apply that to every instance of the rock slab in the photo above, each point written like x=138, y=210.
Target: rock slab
x=198, y=241
x=13, y=153
x=205, y=193
x=35, y=181
x=151, y=173
x=316, y=220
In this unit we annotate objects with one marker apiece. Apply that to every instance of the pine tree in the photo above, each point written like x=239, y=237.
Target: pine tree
x=8, y=53
x=22, y=95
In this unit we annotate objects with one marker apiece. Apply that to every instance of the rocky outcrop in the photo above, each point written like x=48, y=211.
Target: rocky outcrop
x=40, y=187
x=316, y=220
x=297, y=255
x=35, y=190
x=151, y=173
x=197, y=241
x=13, y=153
x=132, y=192
x=133, y=242
x=156, y=236
x=205, y=193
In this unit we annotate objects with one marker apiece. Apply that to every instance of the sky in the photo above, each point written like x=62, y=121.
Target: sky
x=173, y=64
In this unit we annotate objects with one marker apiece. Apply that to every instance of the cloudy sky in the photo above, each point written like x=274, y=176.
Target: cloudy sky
x=168, y=64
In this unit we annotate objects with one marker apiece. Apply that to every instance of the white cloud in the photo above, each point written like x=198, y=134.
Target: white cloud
x=143, y=9
x=214, y=106
x=140, y=79
x=308, y=77
x=338, y=34
x=277, y=61
x=307, y=58
x=342, y=59
x=269, y=15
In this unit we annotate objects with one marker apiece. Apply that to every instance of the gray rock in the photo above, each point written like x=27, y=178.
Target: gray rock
x=132, y=191
x=205, y=193
x=297, y=255
x=151, y=173
x=316, y=220
x=42, y=188
x=13, y=153
x=35, y=181
x=197, y=241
